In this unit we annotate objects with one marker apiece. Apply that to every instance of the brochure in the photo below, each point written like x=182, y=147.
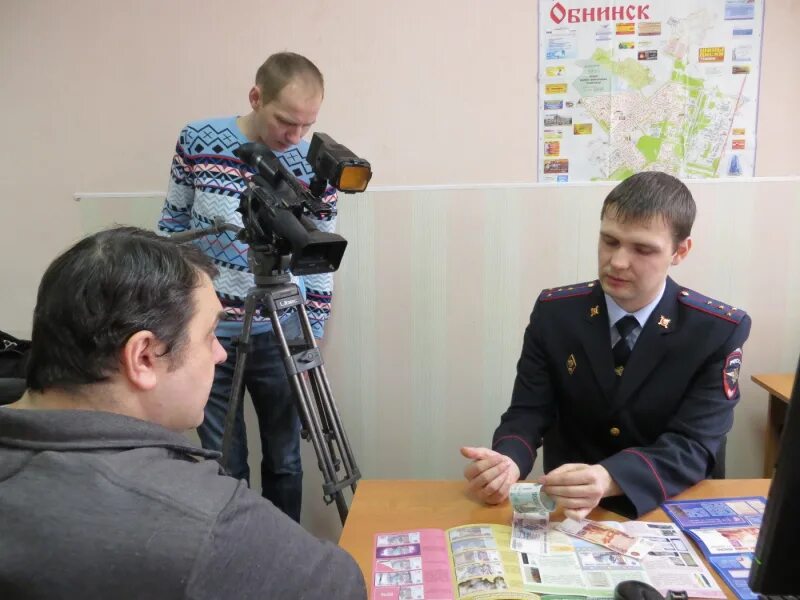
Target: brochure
x=476, y=562
x=726, y=531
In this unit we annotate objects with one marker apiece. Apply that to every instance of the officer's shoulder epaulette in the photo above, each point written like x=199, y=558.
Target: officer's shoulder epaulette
x=710, y=306
x=568, y=291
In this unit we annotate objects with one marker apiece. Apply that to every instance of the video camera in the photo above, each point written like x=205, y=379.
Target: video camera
x=280, y=234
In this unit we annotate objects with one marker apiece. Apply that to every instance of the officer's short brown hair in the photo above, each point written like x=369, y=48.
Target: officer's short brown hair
x=646, y=195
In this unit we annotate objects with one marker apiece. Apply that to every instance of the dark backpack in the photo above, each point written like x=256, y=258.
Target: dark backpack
x=14, y=355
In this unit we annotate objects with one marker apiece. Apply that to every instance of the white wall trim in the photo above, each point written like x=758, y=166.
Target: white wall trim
x=78, y=196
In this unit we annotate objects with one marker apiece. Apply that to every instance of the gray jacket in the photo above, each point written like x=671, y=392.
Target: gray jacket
x=98, y=505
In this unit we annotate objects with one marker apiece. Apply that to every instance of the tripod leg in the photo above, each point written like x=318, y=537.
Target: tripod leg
x=329, y=416
x=330, y=412
x=327, y=429
x=237, y=387
x=323, y=439
x=338, y=435
x=327, y=459
x=314, y=402
x=327, y=408
x=306, y=408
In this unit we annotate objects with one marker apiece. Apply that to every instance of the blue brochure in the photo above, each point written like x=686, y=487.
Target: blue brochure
x=726, y=531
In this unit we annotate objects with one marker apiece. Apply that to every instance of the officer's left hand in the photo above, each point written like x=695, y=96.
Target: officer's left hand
x=578, y=488
x=489, y=473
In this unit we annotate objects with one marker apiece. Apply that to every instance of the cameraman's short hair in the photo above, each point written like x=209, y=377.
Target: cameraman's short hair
x=281, y=68
x=649, y=194
x=100, y=292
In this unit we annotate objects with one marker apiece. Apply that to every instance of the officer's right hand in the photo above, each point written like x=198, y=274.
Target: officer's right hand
x=489, y=473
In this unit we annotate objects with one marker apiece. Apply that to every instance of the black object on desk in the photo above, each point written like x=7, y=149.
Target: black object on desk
x=639, y=590
x=636, y=590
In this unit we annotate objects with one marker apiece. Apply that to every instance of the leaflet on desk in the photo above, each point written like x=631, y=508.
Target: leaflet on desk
x=476, y=562
x=726, y=531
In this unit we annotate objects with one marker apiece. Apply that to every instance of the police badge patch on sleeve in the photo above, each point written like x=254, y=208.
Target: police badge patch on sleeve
x=730, y=373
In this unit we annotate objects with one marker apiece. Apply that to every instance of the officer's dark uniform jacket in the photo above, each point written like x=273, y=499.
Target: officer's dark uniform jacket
x=656, y=427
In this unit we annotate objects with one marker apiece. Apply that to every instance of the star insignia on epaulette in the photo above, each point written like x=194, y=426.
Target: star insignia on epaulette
x=567, y=291
x=710, y=306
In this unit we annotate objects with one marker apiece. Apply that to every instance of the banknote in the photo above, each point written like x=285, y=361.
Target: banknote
x=529, y=532
x=530, y=498
x=606, y=536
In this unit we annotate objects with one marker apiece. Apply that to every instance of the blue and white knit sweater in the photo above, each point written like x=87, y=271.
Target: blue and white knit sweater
x=205, y=182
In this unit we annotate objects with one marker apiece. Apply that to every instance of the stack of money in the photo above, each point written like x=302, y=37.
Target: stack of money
x=532, y=508
x=530, y=498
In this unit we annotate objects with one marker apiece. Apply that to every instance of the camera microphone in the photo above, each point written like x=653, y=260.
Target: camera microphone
x=262, y=159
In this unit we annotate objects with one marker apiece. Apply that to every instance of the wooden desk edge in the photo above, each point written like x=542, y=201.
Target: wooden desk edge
x=777, y=384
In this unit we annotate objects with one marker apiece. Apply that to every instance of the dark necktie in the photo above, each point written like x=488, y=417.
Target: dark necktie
x=622, y=349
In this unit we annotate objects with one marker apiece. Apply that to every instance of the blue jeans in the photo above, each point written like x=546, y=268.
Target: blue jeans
x=278, y=422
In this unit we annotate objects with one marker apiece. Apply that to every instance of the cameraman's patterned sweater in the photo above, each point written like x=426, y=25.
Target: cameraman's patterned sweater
x=206, y=181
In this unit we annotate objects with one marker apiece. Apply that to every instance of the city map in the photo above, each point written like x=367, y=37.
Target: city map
x=668, y=86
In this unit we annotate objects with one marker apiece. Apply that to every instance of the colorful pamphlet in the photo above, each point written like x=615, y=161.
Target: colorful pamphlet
x=725, y=530
x=476, y=562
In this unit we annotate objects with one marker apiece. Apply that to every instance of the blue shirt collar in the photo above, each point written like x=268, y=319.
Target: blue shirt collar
x=615, y=312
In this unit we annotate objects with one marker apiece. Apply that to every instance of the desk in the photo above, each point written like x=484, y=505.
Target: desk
x=395, y=505
x=779, y=387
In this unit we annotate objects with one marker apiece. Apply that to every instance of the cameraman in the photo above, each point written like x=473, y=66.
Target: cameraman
x=206, y=182
x=101, y=495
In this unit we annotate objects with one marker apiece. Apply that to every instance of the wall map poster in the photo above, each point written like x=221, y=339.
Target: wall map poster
x=669, y=85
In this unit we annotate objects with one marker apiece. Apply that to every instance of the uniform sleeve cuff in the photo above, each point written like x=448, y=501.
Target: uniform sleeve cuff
x=638, y=479
x=518, y=450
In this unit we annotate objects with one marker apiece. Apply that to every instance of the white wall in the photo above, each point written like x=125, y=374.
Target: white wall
x=93, y=94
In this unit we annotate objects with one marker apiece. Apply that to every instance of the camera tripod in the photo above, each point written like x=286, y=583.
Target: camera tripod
x=319, y=416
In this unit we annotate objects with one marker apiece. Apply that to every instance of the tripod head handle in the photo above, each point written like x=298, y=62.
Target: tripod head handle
x=217, y=228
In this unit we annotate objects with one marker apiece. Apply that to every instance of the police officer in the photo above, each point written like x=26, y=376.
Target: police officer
x=628, y=382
